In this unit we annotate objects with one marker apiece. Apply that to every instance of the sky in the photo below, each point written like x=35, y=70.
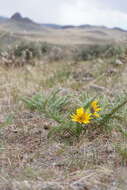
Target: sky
x=110, y=13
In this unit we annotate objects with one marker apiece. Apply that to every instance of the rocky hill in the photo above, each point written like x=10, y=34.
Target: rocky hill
x=18, y=17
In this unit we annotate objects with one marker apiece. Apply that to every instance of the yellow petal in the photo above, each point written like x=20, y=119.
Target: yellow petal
x=98, y=109
x=80, y=111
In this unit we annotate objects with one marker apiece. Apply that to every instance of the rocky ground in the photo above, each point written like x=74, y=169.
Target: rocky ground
x=31, y=161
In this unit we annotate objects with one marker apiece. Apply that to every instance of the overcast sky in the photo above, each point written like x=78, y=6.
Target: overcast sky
x=98, y=12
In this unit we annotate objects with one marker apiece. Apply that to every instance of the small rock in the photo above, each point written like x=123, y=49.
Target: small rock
x=64, y=91
x=78, y=185
x=111, y=71
x=82, y=76
x=109, y=148
x=100, y=60
x=84, y=185
x=118, y=62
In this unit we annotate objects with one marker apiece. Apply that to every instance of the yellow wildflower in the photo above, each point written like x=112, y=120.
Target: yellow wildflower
x=95, y=108
x=81, y=116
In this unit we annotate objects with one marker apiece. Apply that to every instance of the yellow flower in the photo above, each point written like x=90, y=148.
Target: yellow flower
x=96, y=114
x=81, y=116
x=95, y=108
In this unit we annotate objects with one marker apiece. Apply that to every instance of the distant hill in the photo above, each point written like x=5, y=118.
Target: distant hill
x=53, y=26
x=18, y=17
x=3, y=19
x=56, y=26
x=18, y=23
x=120, y=29
x=85, y=26
x=18, y=28
x=68, y=27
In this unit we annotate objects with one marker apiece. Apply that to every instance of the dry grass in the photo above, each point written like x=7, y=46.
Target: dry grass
x=25, y=151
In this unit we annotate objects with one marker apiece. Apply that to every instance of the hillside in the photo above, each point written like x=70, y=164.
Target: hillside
x=18, y=23
x=22, y=28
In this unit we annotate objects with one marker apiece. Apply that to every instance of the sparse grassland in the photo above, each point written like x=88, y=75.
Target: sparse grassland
x=39, y=143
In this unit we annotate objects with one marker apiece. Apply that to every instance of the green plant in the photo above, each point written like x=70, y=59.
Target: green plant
x=58, y=77
x=121, y=149
x=109, y=119
x=52, y=105
x=28, y=50
x=45, y=48
x=88, y=117
x=95, y=51
x=8, y=120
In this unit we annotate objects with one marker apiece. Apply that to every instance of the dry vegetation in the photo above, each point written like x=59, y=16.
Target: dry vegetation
x=28, y=158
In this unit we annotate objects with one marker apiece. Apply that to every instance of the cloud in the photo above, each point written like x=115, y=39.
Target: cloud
x=93, y=12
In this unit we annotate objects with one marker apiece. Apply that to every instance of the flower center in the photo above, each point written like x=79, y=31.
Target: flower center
x=82, y=117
